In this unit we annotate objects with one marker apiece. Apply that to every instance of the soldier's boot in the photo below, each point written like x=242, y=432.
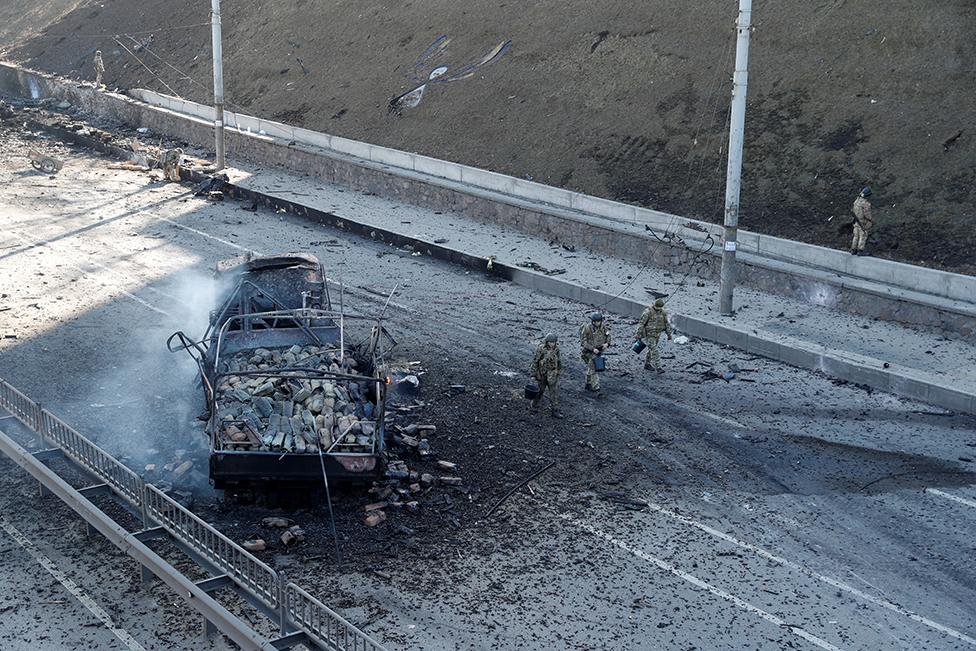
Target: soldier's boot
x=653, y=360
x=535, y=404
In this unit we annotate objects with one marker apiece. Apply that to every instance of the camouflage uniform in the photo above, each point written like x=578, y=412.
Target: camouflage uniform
x=592, y=336
x=99, y=68
x=652, y=323
x=546, y=366
x=170, y=162
x=863, y=223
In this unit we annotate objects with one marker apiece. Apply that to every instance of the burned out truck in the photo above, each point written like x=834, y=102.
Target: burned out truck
x=295, y=389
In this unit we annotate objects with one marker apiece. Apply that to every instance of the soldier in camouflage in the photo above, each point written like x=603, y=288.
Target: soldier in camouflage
x=863, y=221
x=99, y=68
x=652, y=323
x=546, y=366
x=594, y=340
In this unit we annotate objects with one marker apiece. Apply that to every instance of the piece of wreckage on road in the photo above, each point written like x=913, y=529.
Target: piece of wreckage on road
x=294, y=388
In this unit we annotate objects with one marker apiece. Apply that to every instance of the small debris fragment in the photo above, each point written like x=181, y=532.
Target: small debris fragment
x=182, y=469
x=375, y=517
x=293, y=536
x=255, y=545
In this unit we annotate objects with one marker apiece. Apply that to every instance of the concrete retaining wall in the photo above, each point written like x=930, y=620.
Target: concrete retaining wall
x=905, y=276
x=536, y=209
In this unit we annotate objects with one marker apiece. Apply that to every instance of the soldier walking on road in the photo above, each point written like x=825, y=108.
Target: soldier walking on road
x=99, y=68
x=546, y=366
x=594, y=340
x=652, y=323
x=863, y=221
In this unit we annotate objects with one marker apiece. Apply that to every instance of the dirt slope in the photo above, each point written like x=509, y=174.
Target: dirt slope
x=622, y=99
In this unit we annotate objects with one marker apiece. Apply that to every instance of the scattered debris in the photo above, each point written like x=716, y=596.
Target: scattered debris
x=211, y=184
x=277, y=523
x=128, y=166
x=42, y=163
x=951, y=140
x=535, y=266
x=518, y=486
x=410, y=382
x=182, y=469
x=374, y=518
x=255, y=545
x=293, y=536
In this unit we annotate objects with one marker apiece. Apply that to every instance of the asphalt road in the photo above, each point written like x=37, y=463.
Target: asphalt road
x=788, y=512
x=61, y=589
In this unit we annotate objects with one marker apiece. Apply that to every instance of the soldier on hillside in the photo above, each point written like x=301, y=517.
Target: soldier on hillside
x=99, y=68
x=863, y=221
x=546, y=366
x=594, y=340
x=652, y=323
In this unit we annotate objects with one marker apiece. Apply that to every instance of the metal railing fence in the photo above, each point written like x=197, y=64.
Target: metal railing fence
x=324, y=627
x=323, y=624
x=241, y=566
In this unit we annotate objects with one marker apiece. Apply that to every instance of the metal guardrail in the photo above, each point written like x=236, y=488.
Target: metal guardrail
x=26, y=410
x=240, y=565
x=323, y=624
x=126, y=483
x=324, y=627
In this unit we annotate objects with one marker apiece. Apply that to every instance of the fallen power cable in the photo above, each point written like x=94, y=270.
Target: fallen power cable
x=519, y=485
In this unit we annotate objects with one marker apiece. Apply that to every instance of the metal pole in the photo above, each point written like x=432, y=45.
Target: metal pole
x=733, y=178
x=218, y=76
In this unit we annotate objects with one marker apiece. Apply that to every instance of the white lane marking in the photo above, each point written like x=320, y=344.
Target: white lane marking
x=32, y=242
x=201, y=233
x=694, y=580
x=949, y=496
x=723, y=419
x=70, y=586
x=840, y=585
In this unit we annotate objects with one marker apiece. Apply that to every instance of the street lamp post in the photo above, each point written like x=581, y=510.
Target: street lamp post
x=218, y=78
x=733, y=179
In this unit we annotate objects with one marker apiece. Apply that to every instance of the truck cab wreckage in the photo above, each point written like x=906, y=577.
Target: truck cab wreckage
x=295, y=390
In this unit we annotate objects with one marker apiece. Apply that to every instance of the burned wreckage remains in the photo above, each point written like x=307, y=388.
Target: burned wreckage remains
x=294, y=388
